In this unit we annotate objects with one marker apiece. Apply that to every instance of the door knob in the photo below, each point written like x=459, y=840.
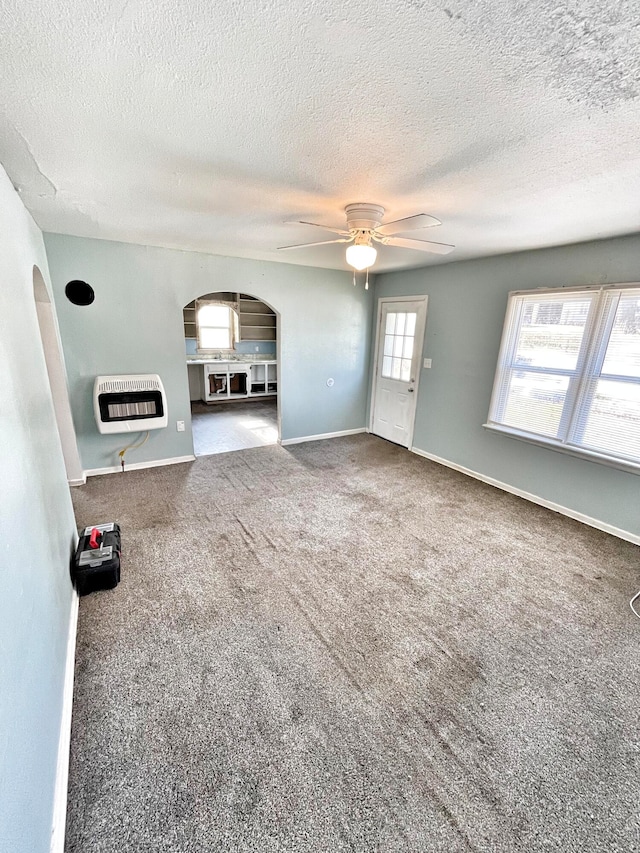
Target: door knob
x=410, y=390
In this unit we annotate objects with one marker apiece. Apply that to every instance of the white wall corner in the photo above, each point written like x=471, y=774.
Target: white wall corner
x=64, y=742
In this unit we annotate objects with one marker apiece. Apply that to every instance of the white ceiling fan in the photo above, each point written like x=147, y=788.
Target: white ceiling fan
x=364, y=228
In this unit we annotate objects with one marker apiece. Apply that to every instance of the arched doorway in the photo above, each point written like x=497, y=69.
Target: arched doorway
x=232, y=350
x=57, y=379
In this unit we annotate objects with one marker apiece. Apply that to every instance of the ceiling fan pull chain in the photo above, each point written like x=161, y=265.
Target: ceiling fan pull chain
x=354, y=278
x=366, y=284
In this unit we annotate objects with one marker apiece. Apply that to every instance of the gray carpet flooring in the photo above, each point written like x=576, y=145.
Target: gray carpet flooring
x=340, y=646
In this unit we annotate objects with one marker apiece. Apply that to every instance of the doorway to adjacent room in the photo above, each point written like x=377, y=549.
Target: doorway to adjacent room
x=231, y=342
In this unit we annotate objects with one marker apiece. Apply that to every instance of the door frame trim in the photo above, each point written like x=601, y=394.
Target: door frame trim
x=419, y=298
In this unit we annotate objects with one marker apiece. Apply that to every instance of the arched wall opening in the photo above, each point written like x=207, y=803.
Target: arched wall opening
x=57, y=379
x=240, y=383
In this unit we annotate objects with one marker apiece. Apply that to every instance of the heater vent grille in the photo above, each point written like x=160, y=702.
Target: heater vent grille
x=133, y=403
x=129, y=383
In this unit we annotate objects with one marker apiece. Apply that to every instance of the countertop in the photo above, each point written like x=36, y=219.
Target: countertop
x=241, y=359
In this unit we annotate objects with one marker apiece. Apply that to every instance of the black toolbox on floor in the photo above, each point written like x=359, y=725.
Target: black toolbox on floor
x=96, y=564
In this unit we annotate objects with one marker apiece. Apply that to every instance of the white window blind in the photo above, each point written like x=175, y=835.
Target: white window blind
x=569, y=370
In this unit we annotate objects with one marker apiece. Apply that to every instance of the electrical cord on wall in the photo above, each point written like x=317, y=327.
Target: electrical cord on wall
x=637, y=595
x=122, y=452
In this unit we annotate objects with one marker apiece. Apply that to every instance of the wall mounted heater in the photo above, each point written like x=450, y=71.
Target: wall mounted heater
x=129, y=403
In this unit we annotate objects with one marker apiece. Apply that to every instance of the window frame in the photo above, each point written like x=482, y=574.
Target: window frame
x=583, y=378
x=233, y=327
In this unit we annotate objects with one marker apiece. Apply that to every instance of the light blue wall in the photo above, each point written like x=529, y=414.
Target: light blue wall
x=249, y=347
x=135, y=326
x=466, y=309
x=37, y=533
x=246, y=347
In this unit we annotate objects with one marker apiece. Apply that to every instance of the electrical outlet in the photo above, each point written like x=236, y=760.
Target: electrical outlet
x=180, y=426
x=257, y=349
x=427, y=362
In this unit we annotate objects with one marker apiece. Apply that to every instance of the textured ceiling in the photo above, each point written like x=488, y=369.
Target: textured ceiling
x=208, y=125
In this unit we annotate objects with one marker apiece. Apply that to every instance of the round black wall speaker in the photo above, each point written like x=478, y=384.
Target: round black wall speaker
x=79, y=292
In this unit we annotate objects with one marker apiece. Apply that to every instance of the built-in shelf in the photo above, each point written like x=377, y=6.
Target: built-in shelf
x=257, y=322
x=189, y=318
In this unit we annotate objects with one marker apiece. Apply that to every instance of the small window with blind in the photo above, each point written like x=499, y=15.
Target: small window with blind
x=217, y=325
x=569, y=372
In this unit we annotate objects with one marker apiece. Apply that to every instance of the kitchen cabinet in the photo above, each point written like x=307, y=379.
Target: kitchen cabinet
x=228, y=380
x=196, y=381
x=264, y=378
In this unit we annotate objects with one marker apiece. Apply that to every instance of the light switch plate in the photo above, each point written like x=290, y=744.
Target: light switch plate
x=180, y=426
x=427, y=362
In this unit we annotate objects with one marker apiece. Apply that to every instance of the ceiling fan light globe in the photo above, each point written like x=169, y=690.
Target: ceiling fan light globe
x=360, y=257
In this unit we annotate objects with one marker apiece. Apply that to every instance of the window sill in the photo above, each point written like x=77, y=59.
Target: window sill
x=580, y=452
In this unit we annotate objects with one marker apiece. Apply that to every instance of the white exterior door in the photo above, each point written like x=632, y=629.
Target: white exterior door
x=399, y=345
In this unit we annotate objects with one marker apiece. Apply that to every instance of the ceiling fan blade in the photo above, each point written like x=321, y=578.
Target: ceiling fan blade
x=420, y=245
x=324, y=227
x=411, y=223
x=306, y=245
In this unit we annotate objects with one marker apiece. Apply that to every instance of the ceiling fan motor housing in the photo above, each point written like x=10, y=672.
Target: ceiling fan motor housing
x=364, y=216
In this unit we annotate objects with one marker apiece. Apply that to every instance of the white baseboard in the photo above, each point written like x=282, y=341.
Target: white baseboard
x=136, y=466
x=81, y=482
x=321, y=436
x=64, y=743
x=563, y=510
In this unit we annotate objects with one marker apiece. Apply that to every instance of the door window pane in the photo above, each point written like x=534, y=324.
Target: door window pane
x=399, y=344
